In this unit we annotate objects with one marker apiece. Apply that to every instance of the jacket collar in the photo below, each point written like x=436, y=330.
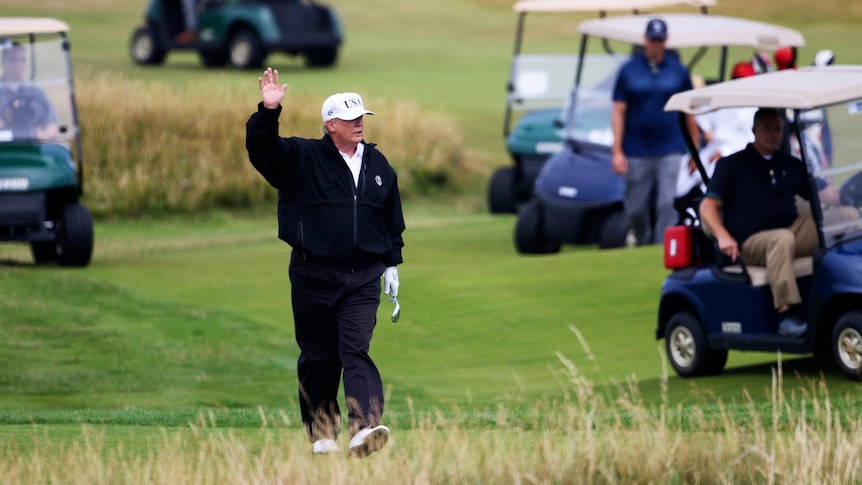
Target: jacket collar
x=327, y=140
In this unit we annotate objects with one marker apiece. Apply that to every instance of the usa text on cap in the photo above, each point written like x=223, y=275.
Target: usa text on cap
x=344, y=106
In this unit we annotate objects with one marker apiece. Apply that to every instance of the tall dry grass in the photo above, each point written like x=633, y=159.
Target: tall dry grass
x=154, y=148
x=585, y=438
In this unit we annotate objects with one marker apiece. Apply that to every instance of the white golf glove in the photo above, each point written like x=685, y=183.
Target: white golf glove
x=390, y=281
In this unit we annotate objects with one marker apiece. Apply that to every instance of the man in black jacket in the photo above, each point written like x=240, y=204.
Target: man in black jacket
x=340, y=210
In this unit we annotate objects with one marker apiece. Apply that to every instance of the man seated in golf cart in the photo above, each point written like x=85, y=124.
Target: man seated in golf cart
x=26, y=113
x=755, y=189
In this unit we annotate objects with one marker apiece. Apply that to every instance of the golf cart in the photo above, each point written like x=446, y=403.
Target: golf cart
x=537, y=91
x=239, y=32
x=577, y=197
x=40, y=146
x=709, y=305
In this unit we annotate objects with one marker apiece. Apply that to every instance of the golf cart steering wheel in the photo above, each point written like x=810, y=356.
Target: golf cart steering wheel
x=24, y=112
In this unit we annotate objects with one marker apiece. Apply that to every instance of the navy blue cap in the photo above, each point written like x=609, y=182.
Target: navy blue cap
x=656, y=29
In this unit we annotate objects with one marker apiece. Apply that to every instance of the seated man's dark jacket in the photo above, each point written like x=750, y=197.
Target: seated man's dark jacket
x=321, y=212
x=751, y=202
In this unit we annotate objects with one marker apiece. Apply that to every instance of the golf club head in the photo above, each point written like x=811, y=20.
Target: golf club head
x=397, y=312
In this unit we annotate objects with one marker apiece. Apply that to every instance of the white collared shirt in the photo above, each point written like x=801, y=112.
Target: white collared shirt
x=354, y=163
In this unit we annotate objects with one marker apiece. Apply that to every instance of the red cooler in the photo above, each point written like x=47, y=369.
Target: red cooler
x=677, y=247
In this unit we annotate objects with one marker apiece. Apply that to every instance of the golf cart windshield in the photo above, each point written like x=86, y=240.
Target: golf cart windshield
x=35, y=88
x=824, y=109
x=541, y=81
x=832, y=149
x=588, y=109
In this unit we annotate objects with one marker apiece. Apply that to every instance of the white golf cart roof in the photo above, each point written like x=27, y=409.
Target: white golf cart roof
x=803, y=88
x=602, y=5
x=31, y=25
x=696, y=30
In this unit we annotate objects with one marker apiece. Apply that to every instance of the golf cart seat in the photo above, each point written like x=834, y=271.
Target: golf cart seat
x=803, y=266
x=700, y=247
x=757, y=274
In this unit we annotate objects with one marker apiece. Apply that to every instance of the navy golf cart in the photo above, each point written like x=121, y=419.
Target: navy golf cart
x=41, y=169
x=577, y=197
x=239, y=32
x=710, y=306
x=536, y=94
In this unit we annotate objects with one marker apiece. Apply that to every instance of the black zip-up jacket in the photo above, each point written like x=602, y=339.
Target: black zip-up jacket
x=321, y=212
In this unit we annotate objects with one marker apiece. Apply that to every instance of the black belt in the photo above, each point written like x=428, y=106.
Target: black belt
x=352, y=264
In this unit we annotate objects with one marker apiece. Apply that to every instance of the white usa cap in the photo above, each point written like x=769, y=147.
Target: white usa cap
x=344, y=106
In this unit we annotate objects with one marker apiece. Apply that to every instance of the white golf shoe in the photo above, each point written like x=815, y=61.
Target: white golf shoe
x=325, y=447
x=368, y=440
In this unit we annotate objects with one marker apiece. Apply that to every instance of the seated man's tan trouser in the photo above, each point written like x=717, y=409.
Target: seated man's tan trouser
x=776, y=249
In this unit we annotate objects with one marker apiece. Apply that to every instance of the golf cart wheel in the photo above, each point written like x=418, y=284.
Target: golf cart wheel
x=43, y=252
x=323, y=57
x=245, y=50
x=847, y=344
x=615, y=231
x=501, y=191
x=688, y=349
x=145, y=47
x=75, y=236
x=529, y=231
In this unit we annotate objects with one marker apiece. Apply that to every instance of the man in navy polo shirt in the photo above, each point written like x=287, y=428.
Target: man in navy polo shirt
x=648, y=143
x=756, y=189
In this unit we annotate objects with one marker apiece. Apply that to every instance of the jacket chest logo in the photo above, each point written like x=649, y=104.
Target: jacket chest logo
x=378, y=180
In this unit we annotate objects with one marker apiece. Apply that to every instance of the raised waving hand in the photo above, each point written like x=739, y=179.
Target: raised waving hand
x=270, y=91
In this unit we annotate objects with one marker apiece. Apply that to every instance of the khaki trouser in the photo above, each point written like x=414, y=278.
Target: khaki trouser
x=776, y=249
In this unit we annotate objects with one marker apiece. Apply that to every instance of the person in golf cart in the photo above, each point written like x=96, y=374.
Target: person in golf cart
x=755, y=189
x=190, y=21
x=25, y=110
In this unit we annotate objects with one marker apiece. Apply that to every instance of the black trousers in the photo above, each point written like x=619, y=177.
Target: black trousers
x=335, y=312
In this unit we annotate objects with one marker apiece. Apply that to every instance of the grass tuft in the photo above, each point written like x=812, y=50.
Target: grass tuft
x=574, y=441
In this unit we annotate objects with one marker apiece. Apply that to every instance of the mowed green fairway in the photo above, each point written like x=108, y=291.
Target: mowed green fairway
x=188, y=317
x=179, y=315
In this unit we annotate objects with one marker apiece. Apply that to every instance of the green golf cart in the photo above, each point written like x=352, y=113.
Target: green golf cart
x=238, y=32
x=40, y=148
